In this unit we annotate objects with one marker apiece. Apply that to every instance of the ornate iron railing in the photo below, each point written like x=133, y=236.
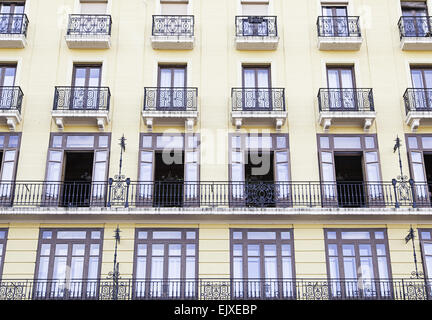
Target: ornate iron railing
x=170, y=99
x=126, y=193
x=415, y=27
x=85, y=24
x=13, y=23
x=258, y=99
x=217, y=289
x=82, y=98
x=345, y=100
x=173, y=26
x=342, y=26
x=256, y=26
x=11, y=98
x=418, y=99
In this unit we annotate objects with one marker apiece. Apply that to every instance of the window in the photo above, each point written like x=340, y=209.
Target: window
x=255, y=21
x=11, y=17
x=256, y=88
x=259, y=170
x=425, y=236
x=68, y=263
x=262, y=263
x=335, y=21
x=9, y=149
x=166, y=263
x=341, y=87
x=358, y=263
x=350, y=170
x=171, y=87
x=3, y=240
x=415, y=18
x=93, y=7
x=86, y=81
x=8, y=94
x=422, y=84
x=77, y=169
x=168, y=170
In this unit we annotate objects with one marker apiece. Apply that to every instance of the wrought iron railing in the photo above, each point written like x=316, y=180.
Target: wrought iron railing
x=13, y=23
x=258, y=99
x=85, y=24
x=415, y=27
x=217, y=289
x=11, y=98
x=173, y=26
x=342, y=26
x=82, y=98
x=170, y=99
x=418, y=99
x=126, y=193
x=345, y=100
x=256, y=26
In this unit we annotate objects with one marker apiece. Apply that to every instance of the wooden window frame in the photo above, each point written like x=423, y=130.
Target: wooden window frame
x=3, y=241
x=423, y=254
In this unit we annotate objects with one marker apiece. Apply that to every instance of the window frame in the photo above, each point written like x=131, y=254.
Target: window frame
x=3, y=242
x=423, y=254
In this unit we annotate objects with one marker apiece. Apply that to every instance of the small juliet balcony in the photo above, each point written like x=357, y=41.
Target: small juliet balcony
x=258, y=106
x=346, y=107
x=339, y=33
x=173, y=32
x=170, y=106
x=10, y=106
x=89, y=31
x=415, y=33
x=256, y=33
x=81, y=106
x=418, y=107
x=13, y=30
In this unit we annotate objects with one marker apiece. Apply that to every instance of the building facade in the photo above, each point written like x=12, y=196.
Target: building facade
x=274, y=149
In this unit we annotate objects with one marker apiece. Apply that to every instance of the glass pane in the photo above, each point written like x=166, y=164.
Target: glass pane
x=174, y=267
x=141, y=268
x=262, y=235
x=253, y=250
x=381, y=251
x=417, y=157
x=236, y=142
x=146, y=173
x=370, y=142
x=94, y=249
x=166, y=234
x=192, y=142
x=237, y=235
x=428, y=248
x=270, y=268
x=373, y=172
x=238, y=268
x=190, y=250
x=327, y=157
x=93, y=269
x=2, y=141
x=47, y=235
x=142, y=250
x=80, y=141
x=365, y=250
x=173, y=142
x=269, y=250
x=77, y=267
x=282, y=172
x=348, y=250
x=59, y=268
x=101, y=155
x=427, y=142
x=285, y=235
x=190, y=235
x=237, y=172
x=350, y=268
x=282, y=156
x=147, y=141
x=71, y=234
x=237, y=156
x=286, y=250
x=103, y=141
x=334, y=267
x=327, y=172
x=366, y=267
x=355, y=235
x=43, y=268
x=147, y=156
x=78, y=249
x=61, y=250
x=55, y=155
x=382, y=268
x=237, y=250
x=95, y=234
x=324, y=142
x=174, y=249
x=57, y=142
x=157, y=267
x=332, y=250
x=347, y=142
x=7, y=174
x=157, y=250
x=371, y=156
x=331, y=235
x=281, y=142
x=142, y=235
x=253, y=268
x=426, y=235
x=100, y=172
x=190, y=268
x=412, y=142
x=13, y=141
x=286, y=268
x=379, y=235
x=45, y=250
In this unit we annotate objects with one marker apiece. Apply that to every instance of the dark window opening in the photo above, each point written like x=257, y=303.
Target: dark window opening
x=350, y=180
x=259, y=179
x=78, y=171
x=169, y=178
x=428, y=169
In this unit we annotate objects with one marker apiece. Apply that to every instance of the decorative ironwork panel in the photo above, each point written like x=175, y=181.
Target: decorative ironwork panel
x=82, y=98
x=11, y=98
x=418, y=99
x=345, y=100
x=256, y=26
x=14, y=290
x=258, y=99
x=215, y=290
x=13, y=24
x=170, y=99
x=338, y=27
x=82, y=24
x=415, y=27
x=177, y=26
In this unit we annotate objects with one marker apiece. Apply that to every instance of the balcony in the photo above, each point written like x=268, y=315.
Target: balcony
x=256, y=33
x=418, y=107
x=13, y=30
x=216, y=194
x=173, y=32
x=10, y=106
x=258, y=106
x=170, y=106
x=346, y=107
x=415, y=33
x=82, y=106
x=217, y=289
x=339, y=33
x=89, y=31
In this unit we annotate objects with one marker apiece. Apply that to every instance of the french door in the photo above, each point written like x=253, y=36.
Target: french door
x=335, y=21
x=256, y=88
x=172, y=88
x=11, y=19
x=422, y=84
x=85, y=92
x=415, y=20
x=341, y=89
x=7, y=81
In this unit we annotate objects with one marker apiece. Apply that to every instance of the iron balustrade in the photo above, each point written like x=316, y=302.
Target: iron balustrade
x=85, y=24
x=217, y=289
x=339, y=26
x=258, y=99
x=11, y=98
x=418, y=99
x=173, y=26
x=13, y=23
x=415, y=27
x=256, y=26
x=170, y=99
x=82, y=98
x=345, y=100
